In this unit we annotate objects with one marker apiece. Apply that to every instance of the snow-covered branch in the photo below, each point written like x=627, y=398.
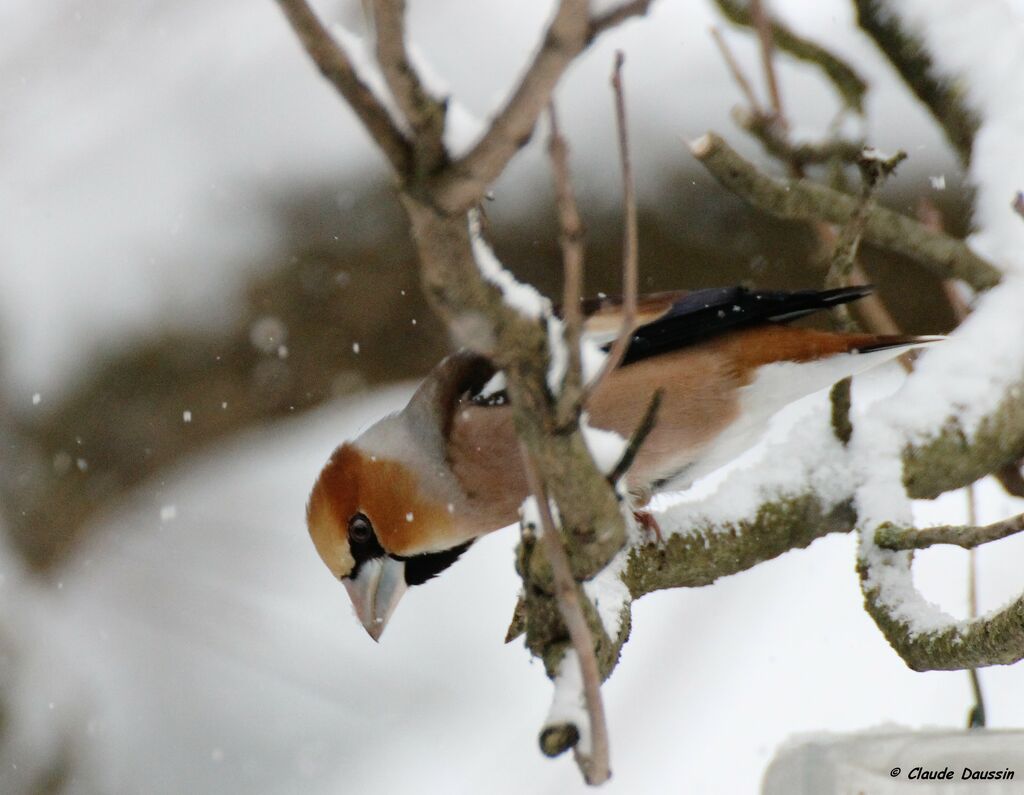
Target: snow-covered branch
x=336, y=65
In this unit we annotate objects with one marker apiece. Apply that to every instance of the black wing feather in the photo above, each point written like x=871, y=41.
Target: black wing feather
x=709, y=313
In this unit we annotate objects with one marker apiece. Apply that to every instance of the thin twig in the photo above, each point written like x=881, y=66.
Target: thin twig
x=640, y=434
x=846, y=81
x=571, y=242
x=964, y=536
x=595, y=767
x=776, y=142
x=806, y=201
x=630, y=267
x=874, y=172
x=976, y=716
x=737, y=73
x=764, y=35
x=334, y=63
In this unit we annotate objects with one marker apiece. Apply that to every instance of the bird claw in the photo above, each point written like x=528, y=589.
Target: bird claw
x=646, y=520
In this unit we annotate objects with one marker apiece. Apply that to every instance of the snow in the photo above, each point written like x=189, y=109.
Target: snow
x=364, y=63
x=221, y=630
x=211, y=653
x=568, y=704
x=558, y=355
x=891, y=761
x=798, y=454
x=496, y=384
x=462, y=129
x=521, y=297
x=609, y=593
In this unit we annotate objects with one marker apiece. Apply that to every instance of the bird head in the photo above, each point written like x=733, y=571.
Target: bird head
x=386, y=511
x=378, y=530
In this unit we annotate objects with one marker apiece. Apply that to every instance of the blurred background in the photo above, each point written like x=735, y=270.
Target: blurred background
x=206, y=284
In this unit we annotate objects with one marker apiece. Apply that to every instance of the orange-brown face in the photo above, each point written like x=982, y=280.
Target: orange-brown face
x=404, y=520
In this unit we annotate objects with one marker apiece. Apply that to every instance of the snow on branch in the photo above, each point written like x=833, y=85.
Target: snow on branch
x=756, y=513
x=336, y=65
x=926, y=638
x=961, y=414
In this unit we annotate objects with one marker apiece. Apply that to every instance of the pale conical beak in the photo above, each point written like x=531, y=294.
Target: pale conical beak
x=375, y=593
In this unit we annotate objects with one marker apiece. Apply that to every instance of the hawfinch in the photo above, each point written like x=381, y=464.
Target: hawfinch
x=402, y=502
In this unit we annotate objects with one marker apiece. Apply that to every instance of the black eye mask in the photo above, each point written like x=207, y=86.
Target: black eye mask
x=363, y=543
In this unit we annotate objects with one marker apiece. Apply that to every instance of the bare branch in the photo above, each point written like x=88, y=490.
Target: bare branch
x=1011, y=479
x=640, y=434
x=943, y=97
x=630, y=275
x=806, y=201
x=965, y=536
x=764, y=34
x=424, y=113
x=737, y=73
x=609, y=19
x=874, y=171
x=571, y=242
x=847, y=82
x=464, y=183
x=334, y=63
x=595, y=767
x=798, y=155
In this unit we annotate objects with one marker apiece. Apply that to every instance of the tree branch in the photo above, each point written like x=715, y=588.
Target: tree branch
x=763, y=26
x=464, y=183
x=423, y=112
x=847, y=82
x=630, y=274
x=802, y=154
x=926, y=641
x=703, y=552
x=571, y=241
x=967, y=537
x=908, y=55
x=595, y=764
x=953, y=457
x=798, y=199
x=334, y=63
x=599, y=23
